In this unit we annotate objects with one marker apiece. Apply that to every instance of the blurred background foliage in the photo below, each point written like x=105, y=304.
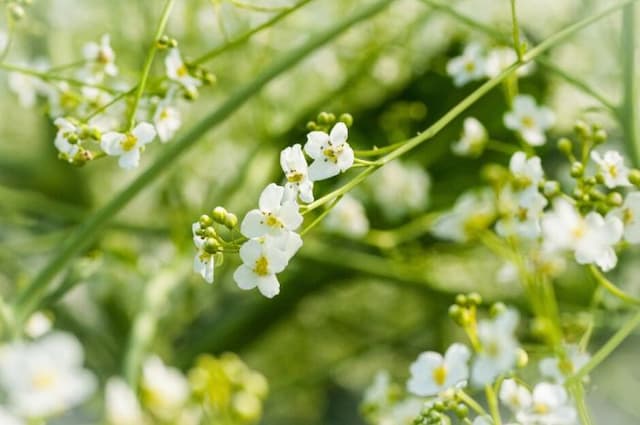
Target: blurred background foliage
x=347, y=307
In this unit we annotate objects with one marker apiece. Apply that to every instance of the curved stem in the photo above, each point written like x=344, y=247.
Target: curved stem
x=628, y=115
x=86, y=233
x=164, y=17
x=611, y=288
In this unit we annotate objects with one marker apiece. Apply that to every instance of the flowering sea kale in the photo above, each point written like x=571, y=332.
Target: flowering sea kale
x=433, y=373
x=529, y=120
x=473, y=139
x=331, y=152
x=128, y=146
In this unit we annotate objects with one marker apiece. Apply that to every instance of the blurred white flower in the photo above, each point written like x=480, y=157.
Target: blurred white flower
x=403, y=412
x=178, y=71
x=473, y=139
x=288, y=243
x=499, y=348
x=550, y=405
x=348, y=217
x=469, y=66
x=296, y=171
x=528, y=173
x=165, y=389
x=127, y=146
x=261, y=261
x=500, y=58
x=203, y=262
x=331, y=152
x=7, y=418
x=275, y=214
x=45, y=377
x=473, y=210
x=515, y=396
x=520, y=213
x=529, y=120
x=558, y=369
x=101, y=55
x=611, y=167
x=37, y=325
x=66, y=140
x=483, y=420
x=167, y=121
x=121, y=404
x=591, y=238
x=26, y=87
x=400, y=189
x=377, y=394
x=432, y=373
x=629, y=214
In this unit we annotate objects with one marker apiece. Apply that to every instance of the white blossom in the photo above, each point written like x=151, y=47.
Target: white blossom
x=520, y=213
x=37, y=325
x=432, y=373
x=499, y=348
x=102, y=55
x=66, y=140
x=121, y=404
x=559, y=369
x=529, y=120
x=612, y=168
x=127, y=146
x=295, y=169
x=203, y=262
x=527, y=172
x=500, y=58
x=472, y=211
x=591, y=238
x=167, y=121
x=515, y=396
x=6, y=418
x=629, y=214
x=275, y=214
x=261, y=261
x=550, y=405
x=178, y=71
x=348, y=217
x=400, y=189
x=165, y=389
x=469, y=66
x=26, y=87
x=45, y=377
x=473, y=139
x=331, y=152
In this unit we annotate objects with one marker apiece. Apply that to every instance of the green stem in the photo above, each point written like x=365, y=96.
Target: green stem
x=469, y=401
x=492, y=401
x=87, y=232
x=320, y=217
x=164, y=17
x=628, y=115
x=247, y=35
x=577, y=390
x=517, y=46
x=47, y=77
x=611, y=288
x=607, y=348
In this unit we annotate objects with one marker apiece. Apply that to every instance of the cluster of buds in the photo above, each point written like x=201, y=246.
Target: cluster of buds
x=436, y=413
x=208, y=241
x=325, y=121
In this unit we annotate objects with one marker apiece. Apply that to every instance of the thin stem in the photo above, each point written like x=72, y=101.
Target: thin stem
x=164, y=17
x=628, y=112
x=607, y=348
x=492, y=401
x=611, y=288
x=87, y=232
x=320, y=217
x=469, y=401
x=247, y=35
x=47, y=77
x=577, y=390
x=516, y=31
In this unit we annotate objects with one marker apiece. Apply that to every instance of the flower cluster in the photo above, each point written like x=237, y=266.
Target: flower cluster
x=92, y=119
x=270, y=233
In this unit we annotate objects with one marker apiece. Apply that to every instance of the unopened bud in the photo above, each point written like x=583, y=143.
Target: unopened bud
x=347, y=119
x=577, y=169
x=219, y=214
x=230, y=220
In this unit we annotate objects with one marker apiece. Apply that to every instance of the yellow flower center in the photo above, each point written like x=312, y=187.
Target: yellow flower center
x=613, y=170
x=578, y=231
x=470, y=66
x=439, y=375
x=129, y=142
x=528, y=122
x=295, y=177
x=262, y=266
x=541, y=408
x=182, y=71
x=627, y=215
x=44, y=379
x=332, y=153
x=164, y=114
x=272, y=221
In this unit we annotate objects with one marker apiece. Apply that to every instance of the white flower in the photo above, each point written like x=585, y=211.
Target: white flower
x=501, y=58
x=296, y=171
x=348, y=217
x=102, y=55
x=558, y=369
x=178, y=71
x=37, y=325
x=469, y=66
x=261, y=262
x=432, y=373
x=400, y=189
x=473, y=139
x=7, y=418
x=403, y=413
x=128, y=145
x=591, y=238
x=203, y=262
x=514, y=396
x=472, y=211
x=527, y=172
x=167, y=121
x=121, y=404
x=629, y=213
x=499, y=348
x=529, y=120
x=377, y=394
x=520, y=213
x=550, y=405
x=66, y=140
x=45, y=377
x=165, y=389
x=26, y=87
x=612, y=168
x=483, y=420
x=274, y=216
x=331, y=152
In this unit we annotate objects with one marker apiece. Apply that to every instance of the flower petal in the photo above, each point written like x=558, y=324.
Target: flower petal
x=339, y=134
x=253, y=226
x=271, y=197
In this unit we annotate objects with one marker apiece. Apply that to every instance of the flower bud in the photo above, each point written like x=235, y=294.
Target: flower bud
x=16, y=11
x=210, y=232
x=522, y=358
x=461, y=410
x=209, y=78
x=347, y=119
x=551, y=188
x=461, y=300
x=219, y=214
x=565, y=146
x=634, y=177
x=205, y=221
x=497, y=309
x=211, y=245
x=583, y=129
x=474, y=298
x=312, y=126
x=324, y=118
x=600, y=136
x=615, y=199
x=230, y=220
x=577, y=169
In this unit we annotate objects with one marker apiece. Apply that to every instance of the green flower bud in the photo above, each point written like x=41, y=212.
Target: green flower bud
x=209, y=78
x=230, y=220
x=461, y=411
x=522, y=358
x=551, y=188
x=577, y=170
x=312, y=126
x=211, y=245
x=15, y=11
x=347, y=119
x=474, y=298
x=634, y=177
x=205, y=221
x=615, y=199
x=210, y=232
x=583, y=129
x=219, y=214
x=565, y=146
x=163, y=42
x=324, y=118
x=600, y=136
x=497, y=309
